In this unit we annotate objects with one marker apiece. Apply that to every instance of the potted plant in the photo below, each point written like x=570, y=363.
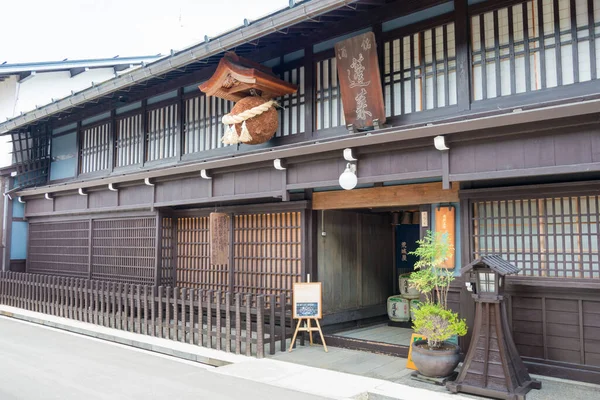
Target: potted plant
x=435, y=356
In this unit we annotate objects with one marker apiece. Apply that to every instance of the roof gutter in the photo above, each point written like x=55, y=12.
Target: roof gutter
x=257, y=29
x=389, y=135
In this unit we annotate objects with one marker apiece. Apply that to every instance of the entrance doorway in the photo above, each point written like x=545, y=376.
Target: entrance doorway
x=364, y=260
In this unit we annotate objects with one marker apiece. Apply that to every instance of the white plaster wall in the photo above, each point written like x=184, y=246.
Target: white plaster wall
x=39, y=90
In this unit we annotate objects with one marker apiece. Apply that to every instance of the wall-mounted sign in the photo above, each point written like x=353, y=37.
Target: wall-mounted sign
x=360, y=81
x=445, y=223
x=307, y=300
x=219, y=238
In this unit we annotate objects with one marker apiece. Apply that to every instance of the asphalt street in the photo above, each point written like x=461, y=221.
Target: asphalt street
x=38, y=363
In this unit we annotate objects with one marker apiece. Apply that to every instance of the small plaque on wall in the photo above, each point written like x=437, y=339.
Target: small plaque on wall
x=360, y=80
x=219, y=238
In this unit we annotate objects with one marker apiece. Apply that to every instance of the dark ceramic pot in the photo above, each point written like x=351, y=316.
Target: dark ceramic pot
x=435, y=363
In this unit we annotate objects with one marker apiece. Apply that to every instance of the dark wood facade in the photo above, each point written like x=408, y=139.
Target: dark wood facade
x=519, y=114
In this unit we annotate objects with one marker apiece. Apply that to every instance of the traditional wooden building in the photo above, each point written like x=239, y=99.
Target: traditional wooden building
x=117, y=182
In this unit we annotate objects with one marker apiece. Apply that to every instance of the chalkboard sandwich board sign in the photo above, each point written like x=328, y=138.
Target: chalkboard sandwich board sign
x=307, y=300
x=307, y=307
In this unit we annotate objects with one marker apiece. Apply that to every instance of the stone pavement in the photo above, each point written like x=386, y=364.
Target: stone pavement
x=339, y=374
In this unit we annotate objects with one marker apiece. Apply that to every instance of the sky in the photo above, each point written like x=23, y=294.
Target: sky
x=49, y=30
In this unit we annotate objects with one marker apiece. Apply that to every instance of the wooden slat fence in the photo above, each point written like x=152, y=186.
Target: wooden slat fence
x=239, y=323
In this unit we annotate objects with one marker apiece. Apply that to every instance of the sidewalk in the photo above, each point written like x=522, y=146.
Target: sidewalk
x=339, y=374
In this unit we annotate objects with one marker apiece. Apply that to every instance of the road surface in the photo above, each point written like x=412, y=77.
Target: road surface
x=38, y=363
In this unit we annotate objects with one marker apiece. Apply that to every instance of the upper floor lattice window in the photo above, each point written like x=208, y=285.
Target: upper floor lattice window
x=534, y=45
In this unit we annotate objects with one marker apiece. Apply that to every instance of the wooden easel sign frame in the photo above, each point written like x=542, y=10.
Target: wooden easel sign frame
x=307, y=305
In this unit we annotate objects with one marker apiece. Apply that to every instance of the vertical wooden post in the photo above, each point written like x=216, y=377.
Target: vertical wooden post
x=158, y=250
x=228, y=322
x=260, y=324
x=200, y=319
x=238, y=323
x=463, y=65
x=309, y=94
x=218, y=317
x=231, y=252
x=90, y=247
x=209, y=298
x=248, y=325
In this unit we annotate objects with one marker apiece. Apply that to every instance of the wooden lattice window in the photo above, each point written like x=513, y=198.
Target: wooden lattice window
x=291, y=113
x=328, y=101
x=420, y=71
x=31, y=156
x=535, y=45
x=129, y=139
x=95, y=148
x=167, y=264
x=203, y=128
x=59, y=248
x=124, y=250
x=194, y=268
x=267, y=252
x=548, y=237
x=163, y=132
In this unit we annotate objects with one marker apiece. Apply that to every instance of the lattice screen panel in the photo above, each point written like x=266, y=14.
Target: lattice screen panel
x=203, y=129
x=124, y=250
x=267, y=252
x=291, y=113
x=194, y=268
x=548, y=237
x=162, y=133
x=166, y=267
x=328, y=101
x=95, y=148
x=129, y=136
x=59, y=248
x=420, y=71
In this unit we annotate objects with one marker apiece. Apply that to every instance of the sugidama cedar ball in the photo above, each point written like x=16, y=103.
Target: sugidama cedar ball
x=263, y=126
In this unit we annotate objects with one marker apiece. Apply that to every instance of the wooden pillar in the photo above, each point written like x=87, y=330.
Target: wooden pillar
x=463, y=65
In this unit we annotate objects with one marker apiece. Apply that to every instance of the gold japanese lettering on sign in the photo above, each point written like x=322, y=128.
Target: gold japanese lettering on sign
x=403, y=251
x=445, y=223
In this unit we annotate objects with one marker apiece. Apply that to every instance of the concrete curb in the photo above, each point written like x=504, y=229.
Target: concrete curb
x=163, y=346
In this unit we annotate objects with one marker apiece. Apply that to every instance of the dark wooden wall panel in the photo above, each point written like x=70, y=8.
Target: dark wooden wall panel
x=400, y=162
x=224, y=184
x=257, y=180
x=182, y=189
x=134, y=195
x=103, y=198
x=72, y=202
x=36, y=206
x=319, y=170
x=567, y=146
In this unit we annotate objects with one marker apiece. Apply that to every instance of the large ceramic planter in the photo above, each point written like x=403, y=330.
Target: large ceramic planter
x=435, y=363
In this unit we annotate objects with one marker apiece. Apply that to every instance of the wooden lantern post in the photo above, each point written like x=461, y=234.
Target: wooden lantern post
x=492, y=366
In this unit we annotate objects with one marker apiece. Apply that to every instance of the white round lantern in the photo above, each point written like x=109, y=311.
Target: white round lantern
x=348, y=179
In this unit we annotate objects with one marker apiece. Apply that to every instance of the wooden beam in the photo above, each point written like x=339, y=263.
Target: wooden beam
x=387, y=196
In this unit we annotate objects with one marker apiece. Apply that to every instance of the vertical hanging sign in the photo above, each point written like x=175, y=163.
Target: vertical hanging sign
x=445, y=223
x=219, y=238
x=360, y=80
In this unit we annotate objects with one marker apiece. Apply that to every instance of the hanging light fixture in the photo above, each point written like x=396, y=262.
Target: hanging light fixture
x=348, y=179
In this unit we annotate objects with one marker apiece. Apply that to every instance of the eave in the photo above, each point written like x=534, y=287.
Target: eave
x=383, y=136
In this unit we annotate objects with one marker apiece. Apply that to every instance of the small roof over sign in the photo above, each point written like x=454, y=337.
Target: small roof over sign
x=496, y=263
